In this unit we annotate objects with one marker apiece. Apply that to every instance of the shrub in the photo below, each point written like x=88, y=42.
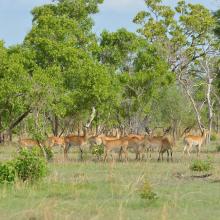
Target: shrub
x=213, y=137
x=218, y=148
x=29, y=165
x=98, y=150
x=146, y=192
x=49, y=153
x=201, y=165
x=7, y=172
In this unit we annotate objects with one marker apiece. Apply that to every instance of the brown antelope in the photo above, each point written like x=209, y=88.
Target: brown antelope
x=194, y=140
x=167, y=146
x=153, y=143
x=162, y=143
x=108, y=138
x=118, y=145
x=76, y=141
x=97, y=140
x=136, y=144
x=52, y=141
x=28, y=143
x=141, y=137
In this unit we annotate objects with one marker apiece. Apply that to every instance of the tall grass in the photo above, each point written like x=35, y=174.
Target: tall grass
x=97, y=190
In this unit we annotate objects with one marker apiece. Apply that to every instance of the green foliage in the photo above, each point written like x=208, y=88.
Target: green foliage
x=179, y=35
x=218, y=148
x=42, y=151
x=161, y=22
x=29, y=165
x=98, y=150
x=15, y=87
x=49, y=153
x=7, y=172
x=118, y=49
x=66, y=53
x=201, y=165
x=217, y=27
x=146, y=192
x=171, y=107
x=214, y=137
x=140, y=72
x=177, y=32
x=62, y=70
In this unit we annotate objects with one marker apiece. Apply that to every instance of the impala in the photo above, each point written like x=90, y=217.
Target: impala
x=75, y=141
x=162, y=143
x=118, y=145
x=28, y=143
x=194, y=140
x=108, y=138
x=140, y=137
x=97, y=140
x=167, y=146
x=52, y=141
x=136, y=144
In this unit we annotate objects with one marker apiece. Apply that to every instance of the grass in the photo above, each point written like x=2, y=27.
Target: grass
x=97, y=190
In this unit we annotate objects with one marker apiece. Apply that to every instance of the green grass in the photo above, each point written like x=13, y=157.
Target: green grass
x=97, y=190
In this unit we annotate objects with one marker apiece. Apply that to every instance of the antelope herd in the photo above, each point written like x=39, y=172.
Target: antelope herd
x=137, y=144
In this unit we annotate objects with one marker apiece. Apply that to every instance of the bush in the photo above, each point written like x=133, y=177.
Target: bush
x=29, y=165
x=7, y=172
x=49, y=153
x=218, y=148
x=213, y=137
x=146, y=192
x=98, y=150
x=201, y=165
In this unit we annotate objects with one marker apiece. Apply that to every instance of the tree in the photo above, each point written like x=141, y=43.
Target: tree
x=140, y=71
x=183, y=35
x=15, y=87
x=171, y=109
x=62, y=39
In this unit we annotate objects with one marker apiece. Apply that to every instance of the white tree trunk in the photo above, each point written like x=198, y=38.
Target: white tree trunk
x=196, y=110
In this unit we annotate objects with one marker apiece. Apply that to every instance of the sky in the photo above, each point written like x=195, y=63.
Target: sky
x=15, y=16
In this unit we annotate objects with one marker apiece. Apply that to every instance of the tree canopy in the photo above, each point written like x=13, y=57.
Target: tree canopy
x=63, y=76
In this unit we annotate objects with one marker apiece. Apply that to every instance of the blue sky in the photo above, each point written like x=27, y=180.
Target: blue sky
x=15, y=17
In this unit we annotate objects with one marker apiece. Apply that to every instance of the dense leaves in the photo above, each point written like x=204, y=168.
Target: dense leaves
x=7, y=172
x=51, y=82
x=29, y=165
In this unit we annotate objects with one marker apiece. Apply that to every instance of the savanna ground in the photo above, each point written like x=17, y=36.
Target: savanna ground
x=97, y=190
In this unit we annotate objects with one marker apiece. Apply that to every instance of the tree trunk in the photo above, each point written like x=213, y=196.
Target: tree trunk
x=10, y=135
x=18, y=120
x=1, y=133
x=174, y=130
x=78, y=128
x=91, y=118
x=198, y=116
x=210, y=109
x=56, y=126
x=15, y=123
